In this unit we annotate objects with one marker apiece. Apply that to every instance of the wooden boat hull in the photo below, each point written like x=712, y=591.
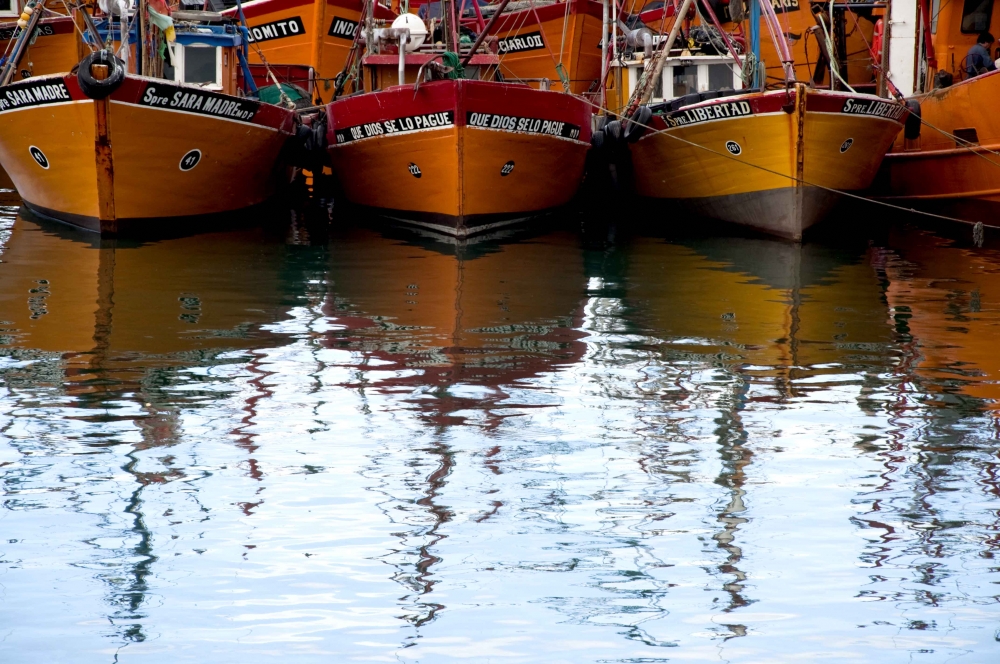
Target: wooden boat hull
x=150, y=154
x=533, y=42
x=423, y=157
x=771, y=159
x=933, y=171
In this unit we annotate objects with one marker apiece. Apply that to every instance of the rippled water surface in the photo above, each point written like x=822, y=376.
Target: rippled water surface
x=568, y=447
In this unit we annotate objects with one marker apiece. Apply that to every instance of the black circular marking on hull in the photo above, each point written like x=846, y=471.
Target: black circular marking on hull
x=39, y=157
x=734, y=148
x=846, y=145
x=507, y=168
x=190, y=160
x=414, y=170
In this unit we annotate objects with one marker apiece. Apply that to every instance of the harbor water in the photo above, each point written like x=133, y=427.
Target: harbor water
x=589, y=443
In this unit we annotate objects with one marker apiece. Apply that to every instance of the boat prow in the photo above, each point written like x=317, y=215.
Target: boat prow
x=459, y=156
x=774, y=161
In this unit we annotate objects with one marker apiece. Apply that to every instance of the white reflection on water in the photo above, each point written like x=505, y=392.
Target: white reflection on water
x=540, y=451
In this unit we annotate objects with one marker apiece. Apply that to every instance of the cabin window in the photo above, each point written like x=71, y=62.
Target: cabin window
x=720, y=76
x=198, y=64
x=8, y=8
x=976, y=15
x=685, y=80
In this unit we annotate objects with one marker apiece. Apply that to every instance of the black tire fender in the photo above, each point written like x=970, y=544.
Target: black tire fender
x=911, y=130
x=99, y=89
x=597, y=139
x=612, y=132
x=637, y=124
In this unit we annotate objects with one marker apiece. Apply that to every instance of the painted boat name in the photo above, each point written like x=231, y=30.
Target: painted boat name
x=524, y=125
x=343, y=28
x=277, y=30
x=520, y=43
x=34, y=94
x=396, y=126
x=733, y=109
x=880, y=109
x=205, y=103
x=43, y=30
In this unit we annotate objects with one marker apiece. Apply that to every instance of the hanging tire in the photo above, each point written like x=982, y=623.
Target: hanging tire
x=613, y=131
x=637, y=124
x=911, y=129
x=95, y=88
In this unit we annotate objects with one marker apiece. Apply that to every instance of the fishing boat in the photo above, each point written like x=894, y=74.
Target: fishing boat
x=947, y=160
x=55, y=46
x=438, y=142
x=111, y=151
x=559, y=40
x=774, y=160
x=305, y=41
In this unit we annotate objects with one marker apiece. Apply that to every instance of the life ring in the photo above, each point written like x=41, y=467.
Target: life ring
x=876, y=47
x=95, y=88
x=637, y=124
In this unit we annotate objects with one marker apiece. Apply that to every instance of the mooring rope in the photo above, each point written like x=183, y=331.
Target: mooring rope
x=793, y=178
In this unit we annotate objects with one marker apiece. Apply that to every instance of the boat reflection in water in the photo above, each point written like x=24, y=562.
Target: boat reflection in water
x=125, y=332
x=562, y=447
x=458, y=320
x=942, y=298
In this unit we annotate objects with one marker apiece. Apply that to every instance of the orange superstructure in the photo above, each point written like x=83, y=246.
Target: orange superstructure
x=56, y=46
x=314, y=33
x=949, y=163
x=552, y=41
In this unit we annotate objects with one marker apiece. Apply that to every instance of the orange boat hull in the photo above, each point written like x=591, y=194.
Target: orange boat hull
x=118, y=165
x=772, y=160
x=933, y=170
x=425, y=158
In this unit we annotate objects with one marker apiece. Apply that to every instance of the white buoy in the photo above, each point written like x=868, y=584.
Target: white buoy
x=418, y=31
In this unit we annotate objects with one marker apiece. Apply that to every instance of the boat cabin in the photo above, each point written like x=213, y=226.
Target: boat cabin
x=682, y=75
x=400, y=54
x=206, y=53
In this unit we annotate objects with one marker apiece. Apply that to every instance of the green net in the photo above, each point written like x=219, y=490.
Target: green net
x=452, y=60
x=271, y=95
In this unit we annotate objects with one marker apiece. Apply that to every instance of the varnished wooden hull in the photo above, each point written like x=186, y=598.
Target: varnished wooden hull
x=118, y=165
x=772, y=158
x=533, y=41
x=933, y=170
x=422, y=158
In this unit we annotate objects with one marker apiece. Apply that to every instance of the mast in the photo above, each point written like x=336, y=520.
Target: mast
x=493, y=19
x=780, y=43
x=451, y=42
x=902, y=26
x=606, y=23
x=759, y=71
